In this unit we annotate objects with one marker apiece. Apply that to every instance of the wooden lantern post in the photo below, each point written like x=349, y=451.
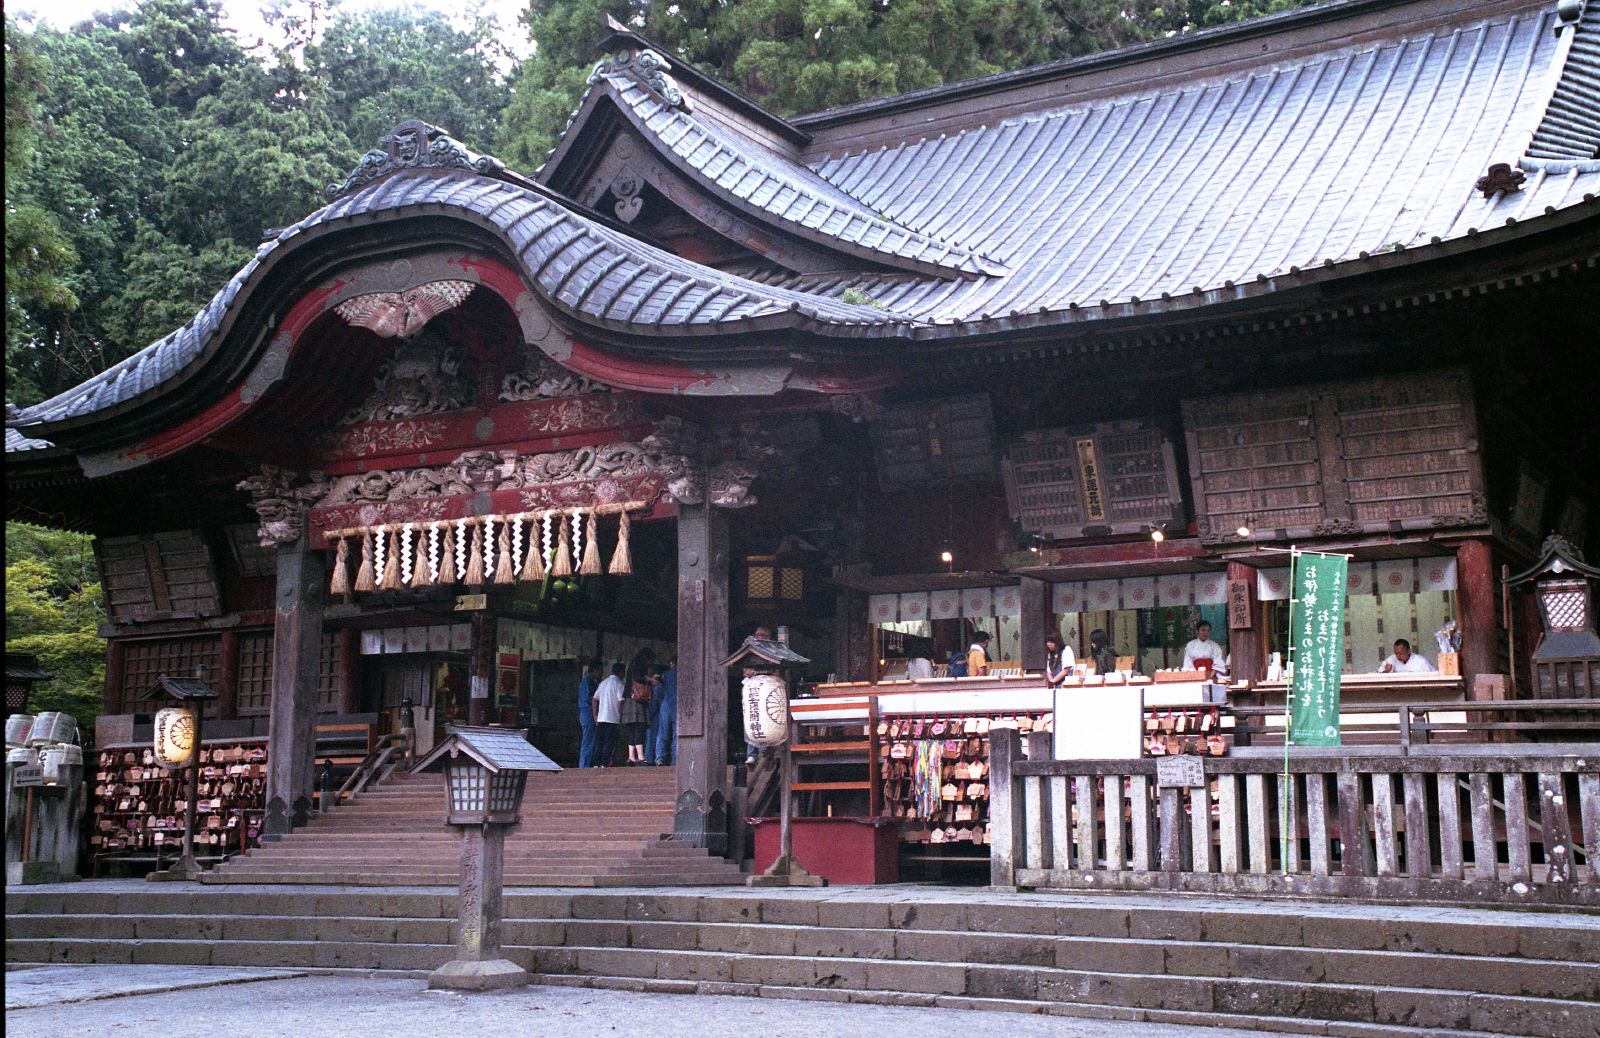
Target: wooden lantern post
x=191, y=694
x=767, y=723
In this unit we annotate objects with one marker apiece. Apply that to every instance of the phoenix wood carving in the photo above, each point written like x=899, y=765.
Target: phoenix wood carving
x=400, y=315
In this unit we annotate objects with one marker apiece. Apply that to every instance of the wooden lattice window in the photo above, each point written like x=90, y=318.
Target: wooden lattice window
x=146, y=661
x=255, y=673
x=329, y=666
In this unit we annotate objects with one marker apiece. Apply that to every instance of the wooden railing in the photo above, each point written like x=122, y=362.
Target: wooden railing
x=1452, y=722
x=1520, y=825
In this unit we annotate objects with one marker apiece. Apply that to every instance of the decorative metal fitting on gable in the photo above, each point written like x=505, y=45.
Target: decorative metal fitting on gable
x=1501, y=179
x=413, y=144
x=648, y=69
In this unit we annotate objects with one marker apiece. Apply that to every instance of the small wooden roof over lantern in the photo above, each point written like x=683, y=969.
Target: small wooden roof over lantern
x=1567, y=659
x=485, y=773
x=765, y=654
x=184, y=690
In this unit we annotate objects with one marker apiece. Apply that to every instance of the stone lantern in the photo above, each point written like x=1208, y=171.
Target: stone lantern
x=1566, y=662
x=486, y=770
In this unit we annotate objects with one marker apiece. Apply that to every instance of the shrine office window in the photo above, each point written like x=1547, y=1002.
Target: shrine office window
x=146, y=661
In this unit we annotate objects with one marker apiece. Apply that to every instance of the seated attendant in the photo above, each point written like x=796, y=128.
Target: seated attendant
x=1201, y=647
x=1404, y=661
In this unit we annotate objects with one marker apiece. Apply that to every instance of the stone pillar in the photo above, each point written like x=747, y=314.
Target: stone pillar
x=1035, y=623
x=702, y=761
x=1248, y=646
x=1476, y=595
x=291, y=727
x=480, y=685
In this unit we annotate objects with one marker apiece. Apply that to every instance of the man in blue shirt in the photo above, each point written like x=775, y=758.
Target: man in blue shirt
x=586, y=687
x=664, y=717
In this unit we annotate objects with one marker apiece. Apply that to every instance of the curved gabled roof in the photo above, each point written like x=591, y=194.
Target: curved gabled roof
x=594, y=274
x=780, y=190
x=1570, y=129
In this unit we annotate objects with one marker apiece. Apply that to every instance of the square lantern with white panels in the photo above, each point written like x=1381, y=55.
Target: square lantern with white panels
x=485, y=772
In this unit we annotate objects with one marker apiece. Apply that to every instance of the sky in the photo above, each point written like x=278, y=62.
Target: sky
x=244, y=16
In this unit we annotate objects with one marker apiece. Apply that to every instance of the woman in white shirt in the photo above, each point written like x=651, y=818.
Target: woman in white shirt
x=1058, y=659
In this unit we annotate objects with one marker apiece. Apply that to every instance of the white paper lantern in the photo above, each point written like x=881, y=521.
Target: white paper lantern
x=766, y=710
x=174, y=730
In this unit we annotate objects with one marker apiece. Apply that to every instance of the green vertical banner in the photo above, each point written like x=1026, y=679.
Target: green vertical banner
x=1316, y=635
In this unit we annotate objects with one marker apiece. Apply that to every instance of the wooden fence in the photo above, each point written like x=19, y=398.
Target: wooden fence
x=1517, y=825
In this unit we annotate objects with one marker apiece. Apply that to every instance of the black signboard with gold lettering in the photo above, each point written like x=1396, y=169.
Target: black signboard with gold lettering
x=1115, y=477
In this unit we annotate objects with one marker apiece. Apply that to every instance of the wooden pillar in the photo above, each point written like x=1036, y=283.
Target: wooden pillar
x=1476, y=594
x=702, y=760
x=116, y=670
x=852, y=637
x=228, y=677
x=349, y=670
x=291, y=726
x=480, y=685
x=1248, y=646
x=1035, y=623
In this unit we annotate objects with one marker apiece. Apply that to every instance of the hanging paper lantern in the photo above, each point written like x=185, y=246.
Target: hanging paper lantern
x=766, y=710
x=174, y=737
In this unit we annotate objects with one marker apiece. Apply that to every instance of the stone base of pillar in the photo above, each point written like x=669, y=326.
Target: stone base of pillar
x=23, y=873
x=786, y=872
x=702, y=823
x=486, y=975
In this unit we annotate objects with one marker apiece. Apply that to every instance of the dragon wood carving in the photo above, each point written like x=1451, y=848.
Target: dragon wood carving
x=543, y=379
x=423, y=377
x=281, y=499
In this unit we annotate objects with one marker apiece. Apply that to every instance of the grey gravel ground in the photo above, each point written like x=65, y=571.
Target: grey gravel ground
x=364, y=1007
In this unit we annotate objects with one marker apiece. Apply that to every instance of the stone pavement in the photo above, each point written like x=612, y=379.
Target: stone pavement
x=31, y=987
x=357, y=1006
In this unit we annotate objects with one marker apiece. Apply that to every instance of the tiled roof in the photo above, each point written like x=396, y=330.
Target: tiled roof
x=1293, y=167
x=598, y=274
x=1570, y=129
x=1222, y=186
x=756, y=179
x=17, y=443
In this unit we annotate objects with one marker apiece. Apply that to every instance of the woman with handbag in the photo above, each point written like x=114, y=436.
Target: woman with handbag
x=640, y=683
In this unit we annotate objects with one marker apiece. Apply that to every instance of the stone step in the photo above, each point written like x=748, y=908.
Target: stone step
x=654, y=877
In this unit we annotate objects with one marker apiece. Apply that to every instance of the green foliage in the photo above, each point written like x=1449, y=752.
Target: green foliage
x=53, y=608
x=147, y=152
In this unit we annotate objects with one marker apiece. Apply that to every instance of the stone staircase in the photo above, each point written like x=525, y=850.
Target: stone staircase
x=588, y=828
x=1306, y=968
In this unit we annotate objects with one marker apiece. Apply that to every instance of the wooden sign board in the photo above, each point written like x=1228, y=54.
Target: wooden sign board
x=1337, y=459
x=939, y=441
x=164, y=576
x=1180, y=772
x=1114, y=477
x=28, y=775
x=1239, y=605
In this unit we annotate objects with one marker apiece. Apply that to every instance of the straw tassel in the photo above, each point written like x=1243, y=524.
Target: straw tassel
x=391, y=567
x=421, y=571
x=622, y=559
x=474, y=574
x=591, y=549
x=341, y=569
x=562, y=567
x=533, y=563
x=503, y=571
x=447, y=556
x=364, y=576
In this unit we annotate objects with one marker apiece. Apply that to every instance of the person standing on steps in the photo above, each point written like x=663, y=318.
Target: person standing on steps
x=586, y=688
x=608, y=696
x=640, y=683
x=665, y=747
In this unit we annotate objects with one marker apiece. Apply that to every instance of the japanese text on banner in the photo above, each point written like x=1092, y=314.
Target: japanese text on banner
x=1317, y=640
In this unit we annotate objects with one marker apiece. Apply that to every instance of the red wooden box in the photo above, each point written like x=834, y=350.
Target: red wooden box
x=844, y=850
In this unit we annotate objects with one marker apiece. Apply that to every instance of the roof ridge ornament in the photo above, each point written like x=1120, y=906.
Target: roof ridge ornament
x=646, y=67
x=413, y=144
